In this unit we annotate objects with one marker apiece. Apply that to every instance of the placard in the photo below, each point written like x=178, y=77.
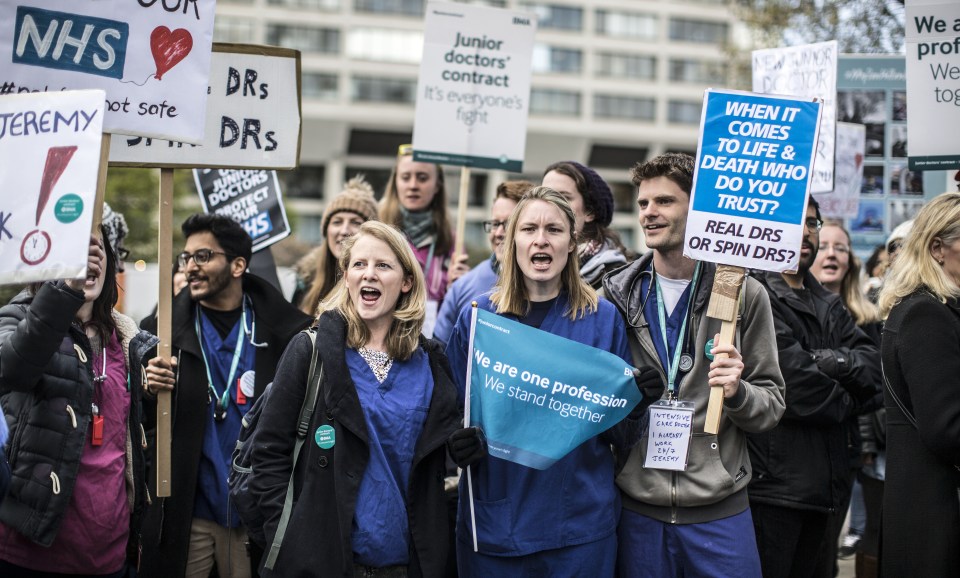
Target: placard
x=844, y=200
x=250, y=197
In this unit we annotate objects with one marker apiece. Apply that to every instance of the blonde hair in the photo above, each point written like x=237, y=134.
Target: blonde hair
x=510, y=293
x=409, y=312
x=915, y=268
x=390, y=208
x=851, y=293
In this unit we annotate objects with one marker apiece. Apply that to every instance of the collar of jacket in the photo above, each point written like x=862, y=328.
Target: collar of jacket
x=622, y=286
x=785, y=293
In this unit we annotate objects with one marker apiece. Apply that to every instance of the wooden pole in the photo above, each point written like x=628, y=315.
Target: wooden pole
x=101, y=183
x=164, y=328
x=724, y=305
x=462, y=211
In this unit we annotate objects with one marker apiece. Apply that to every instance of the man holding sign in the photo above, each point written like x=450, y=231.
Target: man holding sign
x=684, y=491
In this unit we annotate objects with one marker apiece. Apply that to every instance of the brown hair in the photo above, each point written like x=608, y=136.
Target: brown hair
x=390, y=209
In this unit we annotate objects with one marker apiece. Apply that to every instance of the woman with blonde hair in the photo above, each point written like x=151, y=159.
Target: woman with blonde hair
x=368, y=494
x=921, y=362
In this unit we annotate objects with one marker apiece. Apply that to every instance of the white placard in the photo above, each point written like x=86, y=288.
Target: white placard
x=933, y=83
x=50, y=146
x=805, y=71
x=844, y=200
x=669, y=435
x=474, y=88
x=151, y=57
x=253, y=116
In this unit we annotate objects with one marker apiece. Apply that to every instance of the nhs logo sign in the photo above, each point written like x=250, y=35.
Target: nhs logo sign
x=70, y=42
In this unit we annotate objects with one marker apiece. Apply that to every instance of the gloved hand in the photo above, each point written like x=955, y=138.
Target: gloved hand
x=467, y=446
x=651, y=385
x=829, y=362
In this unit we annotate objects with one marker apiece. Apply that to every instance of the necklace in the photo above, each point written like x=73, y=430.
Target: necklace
x=379, y=361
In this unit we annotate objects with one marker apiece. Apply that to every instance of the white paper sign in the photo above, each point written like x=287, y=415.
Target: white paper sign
x=150, y=56
x=805, y=71
x=474, y=87
x=253, y=116
x=844, y=200
x=50, y=146
x=669, y=438
x=933, y=83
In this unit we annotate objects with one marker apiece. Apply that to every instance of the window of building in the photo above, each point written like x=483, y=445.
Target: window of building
x=554, y=59
x=624, y=195
x=617, y=65
x=401, y=7
x=304, y=39
x=307, y=229
x=698, y=71
x=701, y=31
x=490, y=3
x=305, y=182
x=380, y=89
x=324, y=5
x=228, y=29
x=319, y=85
x=554, y=102
x=684, y=112
x=385, y=45
x=376, y=177
x=628, y=107
x=627, y=24
x=615, y=156
x=556, y=17
x=376, y=143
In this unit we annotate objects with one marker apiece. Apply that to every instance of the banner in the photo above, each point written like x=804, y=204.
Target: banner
x=933, y=83
x=751, y=181
x=474, y=87
x=251, y=198
x=538, y=396
x=252, y=119
x=50, y=146
x=805, y=71
x=150, y=57
x=844, y=200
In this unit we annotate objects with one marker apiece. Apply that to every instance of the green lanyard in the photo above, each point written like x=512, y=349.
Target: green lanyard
x=673, y=365
x=222, y=401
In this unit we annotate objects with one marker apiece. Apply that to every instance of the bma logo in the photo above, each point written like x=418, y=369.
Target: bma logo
x=65, y=42
x=521, y=21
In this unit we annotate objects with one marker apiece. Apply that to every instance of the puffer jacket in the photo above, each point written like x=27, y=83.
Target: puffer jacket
x=46, y=389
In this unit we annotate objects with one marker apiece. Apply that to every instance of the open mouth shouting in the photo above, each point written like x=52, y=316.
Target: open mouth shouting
x=541, y=261
x=369, y=295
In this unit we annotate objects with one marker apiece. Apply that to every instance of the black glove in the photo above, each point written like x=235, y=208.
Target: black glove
x=467, y=446
x=651, y=385
x=830, y=362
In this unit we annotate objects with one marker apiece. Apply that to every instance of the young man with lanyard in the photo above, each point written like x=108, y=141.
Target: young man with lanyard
x=229, y=331
x=692, y=519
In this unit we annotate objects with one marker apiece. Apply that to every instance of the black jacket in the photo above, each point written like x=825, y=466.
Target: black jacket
x=166, y=532
x=46, y=384
x=832, y=373
x=318, y=538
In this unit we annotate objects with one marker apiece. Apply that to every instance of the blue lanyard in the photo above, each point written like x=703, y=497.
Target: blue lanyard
x=673, y=365
x=223, y=400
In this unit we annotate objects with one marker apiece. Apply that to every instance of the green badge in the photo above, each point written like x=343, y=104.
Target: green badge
x=707, y=349
x=326, y=437
x=68, y=208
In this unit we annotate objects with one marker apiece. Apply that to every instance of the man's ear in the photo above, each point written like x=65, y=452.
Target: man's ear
x=238, y=266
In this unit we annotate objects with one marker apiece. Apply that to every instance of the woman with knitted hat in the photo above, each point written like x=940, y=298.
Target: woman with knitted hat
x=599, y=247
x=317, y=270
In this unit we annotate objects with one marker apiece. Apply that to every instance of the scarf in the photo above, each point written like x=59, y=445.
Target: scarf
x=417, y=226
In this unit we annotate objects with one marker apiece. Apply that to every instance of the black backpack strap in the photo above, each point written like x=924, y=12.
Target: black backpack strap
x=314, y=381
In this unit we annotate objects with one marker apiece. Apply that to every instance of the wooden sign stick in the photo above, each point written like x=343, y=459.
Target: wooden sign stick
x=724, y=305
x=462, y=211
x=101, y=183
x=164, y=328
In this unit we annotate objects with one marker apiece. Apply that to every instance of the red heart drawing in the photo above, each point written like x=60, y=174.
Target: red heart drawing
x=169, y=48
x=858, y=159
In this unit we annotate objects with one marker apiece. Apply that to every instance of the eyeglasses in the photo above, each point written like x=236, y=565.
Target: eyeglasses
x=200, y=257
x=491, y=226
x=813, y=224
x=837, y=248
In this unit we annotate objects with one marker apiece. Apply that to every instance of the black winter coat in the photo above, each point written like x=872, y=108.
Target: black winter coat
x=46, y=384
x=318, y=539
x=832, y=372
x=166, y=531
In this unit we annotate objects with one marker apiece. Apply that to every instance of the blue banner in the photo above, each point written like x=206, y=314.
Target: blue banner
x=538, y=396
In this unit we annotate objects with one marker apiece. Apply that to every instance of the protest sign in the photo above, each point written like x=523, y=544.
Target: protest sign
x=844, y=200
x=933, y=83
x=252, y=120
x=805, y=71
x=251, y=198
x=151, y=58
x=751, y=180
x=538, y=396
x=474, y=87
x=50, y=146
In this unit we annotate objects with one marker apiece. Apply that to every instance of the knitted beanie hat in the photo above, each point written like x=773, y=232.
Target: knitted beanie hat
x=600, y=194
x=116, y=227
x=356, y=197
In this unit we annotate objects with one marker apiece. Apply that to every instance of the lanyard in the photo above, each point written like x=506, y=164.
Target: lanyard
x=222, y=401
x=434, y=285
x=673, y=365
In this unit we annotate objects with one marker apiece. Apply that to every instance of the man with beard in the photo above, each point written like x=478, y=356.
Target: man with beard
x=832, y=372
x=229, y=331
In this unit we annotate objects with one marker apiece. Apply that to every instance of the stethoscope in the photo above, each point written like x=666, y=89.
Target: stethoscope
x=251, y=332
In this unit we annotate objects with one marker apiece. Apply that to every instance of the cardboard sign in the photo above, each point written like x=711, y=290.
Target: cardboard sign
x=844, y=200
x=751, y=181
x=253, y=116
x=474, y=88
x=805, y=71
x=251, y=198
x=50, y=146
x=150, y=57
x=933, y=83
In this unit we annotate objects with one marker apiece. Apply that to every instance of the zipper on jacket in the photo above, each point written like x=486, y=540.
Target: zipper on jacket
x=673, y=497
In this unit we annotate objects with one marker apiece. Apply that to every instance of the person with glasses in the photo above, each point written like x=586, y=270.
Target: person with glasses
x=801, y=468
x=483, y=277
x=229, y=330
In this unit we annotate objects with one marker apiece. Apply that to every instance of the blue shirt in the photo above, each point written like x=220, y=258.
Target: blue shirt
x=666, y=351
x=475, y=283
x=395, y=412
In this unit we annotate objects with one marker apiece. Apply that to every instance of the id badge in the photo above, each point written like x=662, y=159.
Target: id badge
x=670, y=425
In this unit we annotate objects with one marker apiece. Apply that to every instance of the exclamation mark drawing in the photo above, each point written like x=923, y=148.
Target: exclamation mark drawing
x=36, y=245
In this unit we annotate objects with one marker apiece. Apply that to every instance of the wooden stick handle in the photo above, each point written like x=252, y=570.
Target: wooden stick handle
x=164, y=328
x=462, y=211
x=724, y=305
